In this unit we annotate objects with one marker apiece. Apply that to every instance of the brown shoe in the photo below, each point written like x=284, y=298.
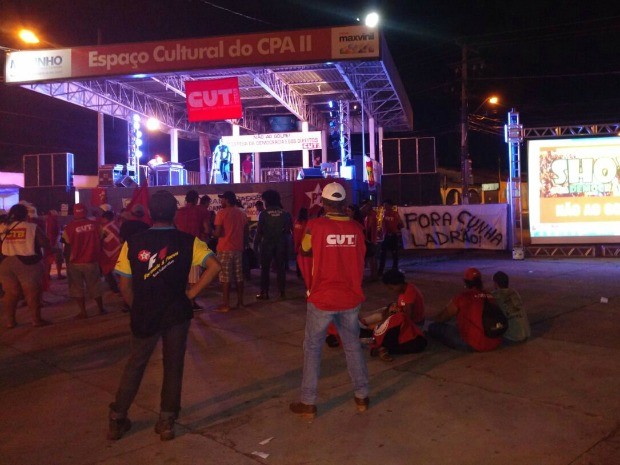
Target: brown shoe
x=165, y=428
x=117, y=428
x=304, y=410
x=362, y=404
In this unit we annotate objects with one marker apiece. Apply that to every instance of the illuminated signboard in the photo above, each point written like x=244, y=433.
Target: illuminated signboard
x=574, y=190
x=274, y=142
x=260, y=49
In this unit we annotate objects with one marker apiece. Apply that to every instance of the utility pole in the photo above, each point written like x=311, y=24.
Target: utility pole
x=464, y=129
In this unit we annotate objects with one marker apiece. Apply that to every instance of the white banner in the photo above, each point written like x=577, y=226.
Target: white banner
x=274, y=142
x=455, y=227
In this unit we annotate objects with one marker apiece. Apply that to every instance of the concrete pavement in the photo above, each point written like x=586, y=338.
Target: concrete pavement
x=553, y=400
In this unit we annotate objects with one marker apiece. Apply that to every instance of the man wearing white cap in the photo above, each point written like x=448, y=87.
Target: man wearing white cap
x=336, y=244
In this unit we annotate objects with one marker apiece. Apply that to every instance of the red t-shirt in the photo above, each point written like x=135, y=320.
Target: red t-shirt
x=299, y=230
x=412, y=295
x=370, y=227
x=233, y=221
x=190, y=219
x=391, y=222
x=84, y=237
x=469, y=319
x=337, y=263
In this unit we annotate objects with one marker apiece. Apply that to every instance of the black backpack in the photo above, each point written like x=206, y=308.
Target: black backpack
x=494, y=322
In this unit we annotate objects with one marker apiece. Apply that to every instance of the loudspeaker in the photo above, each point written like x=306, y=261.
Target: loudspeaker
x=309, y=173
x=31, y=171
x=411, y=189
x=409, y=156
x=62, y=169
x=126, y=181
x=391, y=159
x=48, y=169
x=427, y=162
x=45, y=170
x=48, y=198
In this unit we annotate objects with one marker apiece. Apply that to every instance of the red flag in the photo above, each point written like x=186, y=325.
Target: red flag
x=213, y=100
x=141, y=196
x=98, y=196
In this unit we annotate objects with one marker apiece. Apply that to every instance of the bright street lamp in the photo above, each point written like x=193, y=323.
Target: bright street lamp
x=28, y=37
x=493, y=100
x=372, y=19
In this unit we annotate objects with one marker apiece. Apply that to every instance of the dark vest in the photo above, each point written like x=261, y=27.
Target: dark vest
x=160, y=261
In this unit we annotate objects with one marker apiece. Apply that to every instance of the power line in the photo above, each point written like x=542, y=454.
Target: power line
x=238, y=13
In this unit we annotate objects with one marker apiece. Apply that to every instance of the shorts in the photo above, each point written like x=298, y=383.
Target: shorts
x=18, y=278
x=232, y=266
x=82, y=275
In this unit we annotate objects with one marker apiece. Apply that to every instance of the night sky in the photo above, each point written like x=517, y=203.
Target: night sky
x=556, y=62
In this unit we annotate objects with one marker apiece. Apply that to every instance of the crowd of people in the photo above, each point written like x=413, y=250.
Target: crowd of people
x=159, y=260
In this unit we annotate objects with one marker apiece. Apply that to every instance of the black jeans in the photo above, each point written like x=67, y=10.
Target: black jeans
x=390, y=342
x=276, y=251
x=390, y=243
x=174, y=340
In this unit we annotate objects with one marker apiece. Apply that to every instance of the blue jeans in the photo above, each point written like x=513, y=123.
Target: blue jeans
x=347, y=322
x=174, y=342
x=449, y=335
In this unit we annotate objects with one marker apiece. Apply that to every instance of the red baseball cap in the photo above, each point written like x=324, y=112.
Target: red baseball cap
x=472, y=274
x=79, y=211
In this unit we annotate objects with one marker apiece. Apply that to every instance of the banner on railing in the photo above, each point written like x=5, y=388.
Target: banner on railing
x=455, y=227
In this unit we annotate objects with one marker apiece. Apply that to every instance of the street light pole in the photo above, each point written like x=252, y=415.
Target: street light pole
x=464, y=129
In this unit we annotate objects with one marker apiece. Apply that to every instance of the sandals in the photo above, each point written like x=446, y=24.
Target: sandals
x=385, y=355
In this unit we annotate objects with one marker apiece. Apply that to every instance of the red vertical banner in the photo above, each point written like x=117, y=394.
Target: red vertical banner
x=98, y=196
x=213, y=100
x=307, y=193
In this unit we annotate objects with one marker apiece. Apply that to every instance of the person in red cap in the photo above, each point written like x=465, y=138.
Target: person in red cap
x=82, y=238
x=466, y=308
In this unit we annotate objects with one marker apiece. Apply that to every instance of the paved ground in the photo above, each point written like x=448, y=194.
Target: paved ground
x=554, y=400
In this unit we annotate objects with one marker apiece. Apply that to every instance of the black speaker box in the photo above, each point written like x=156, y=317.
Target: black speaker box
x=391, y=158
x=48, y=169
x=48, y=198
x=126, y=181
x=411, y=189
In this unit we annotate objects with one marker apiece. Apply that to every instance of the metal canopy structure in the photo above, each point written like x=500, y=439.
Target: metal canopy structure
x=301, y=90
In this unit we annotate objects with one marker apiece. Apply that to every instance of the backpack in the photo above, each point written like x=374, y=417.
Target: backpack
x=494, y=322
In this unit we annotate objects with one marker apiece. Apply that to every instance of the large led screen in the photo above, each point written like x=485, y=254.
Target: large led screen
x=574, y=190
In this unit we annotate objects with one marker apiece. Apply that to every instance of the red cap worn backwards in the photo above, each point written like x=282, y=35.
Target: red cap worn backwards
x=471, y=274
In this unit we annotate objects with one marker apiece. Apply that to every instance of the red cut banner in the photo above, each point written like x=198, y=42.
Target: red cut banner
x=213, y=100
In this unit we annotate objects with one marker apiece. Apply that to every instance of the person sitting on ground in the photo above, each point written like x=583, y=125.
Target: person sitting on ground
x=410, y=300
x=395, y=334
x=466, y=308
x=511, y=305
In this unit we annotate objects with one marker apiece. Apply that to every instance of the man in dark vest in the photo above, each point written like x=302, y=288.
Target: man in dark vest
x=153, y=267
